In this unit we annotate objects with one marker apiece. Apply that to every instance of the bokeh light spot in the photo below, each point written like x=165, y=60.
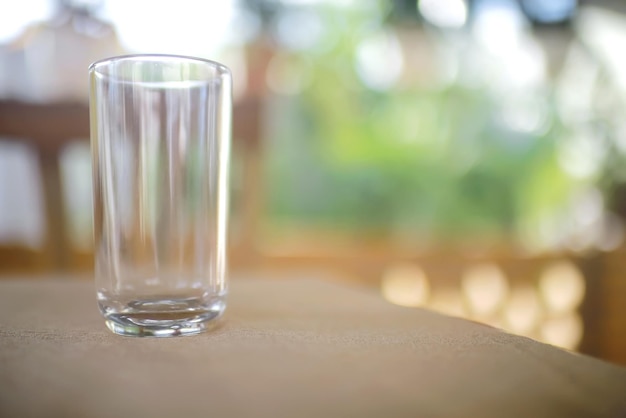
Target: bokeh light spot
x=565, y=332
x=405, y=285
x=485, y=288
x=523, y=310
x=562, y=286
x=444, y=13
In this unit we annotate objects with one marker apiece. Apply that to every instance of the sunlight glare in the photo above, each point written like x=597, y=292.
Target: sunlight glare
x=444, y=13
x=16, y=16
x=187, y=27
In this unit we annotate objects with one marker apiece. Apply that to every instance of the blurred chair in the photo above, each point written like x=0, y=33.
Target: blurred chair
x=49, y=128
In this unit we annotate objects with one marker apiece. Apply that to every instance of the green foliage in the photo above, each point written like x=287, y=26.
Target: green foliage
x=429, y=161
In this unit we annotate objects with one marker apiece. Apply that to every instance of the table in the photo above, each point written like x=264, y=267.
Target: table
x=286, y=348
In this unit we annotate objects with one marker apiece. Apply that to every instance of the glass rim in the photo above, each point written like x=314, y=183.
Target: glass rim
x=105, y=62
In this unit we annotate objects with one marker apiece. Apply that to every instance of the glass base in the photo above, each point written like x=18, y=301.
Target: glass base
x=160, y=317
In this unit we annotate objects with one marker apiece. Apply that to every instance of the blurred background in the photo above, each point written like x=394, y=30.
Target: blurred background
x=468, y=156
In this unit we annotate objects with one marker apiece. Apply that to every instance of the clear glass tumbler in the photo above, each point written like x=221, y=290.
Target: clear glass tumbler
x=160, y=139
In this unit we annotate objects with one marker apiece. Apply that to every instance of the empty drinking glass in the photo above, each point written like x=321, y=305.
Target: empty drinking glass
x=160, y=138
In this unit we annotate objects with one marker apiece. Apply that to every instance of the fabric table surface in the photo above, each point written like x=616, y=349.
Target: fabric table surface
x=286, y=348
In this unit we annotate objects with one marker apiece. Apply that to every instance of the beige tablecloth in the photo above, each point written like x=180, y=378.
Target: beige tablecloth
x=290, y=348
